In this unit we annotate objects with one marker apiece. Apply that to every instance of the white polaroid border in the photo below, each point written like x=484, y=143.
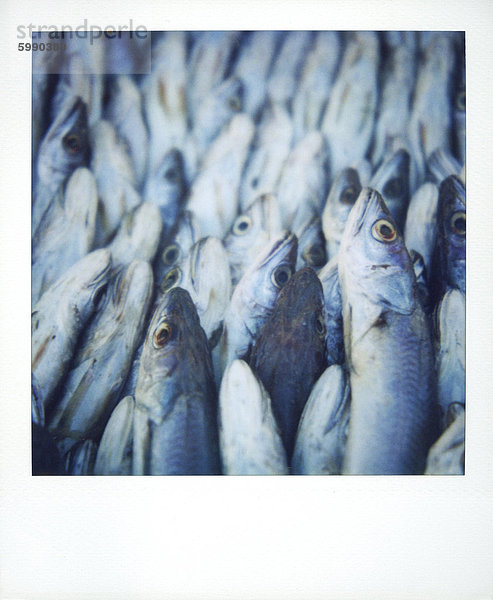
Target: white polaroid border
x=250, y=537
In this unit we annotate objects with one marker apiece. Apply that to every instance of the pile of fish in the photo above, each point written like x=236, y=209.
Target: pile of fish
x=250, y=259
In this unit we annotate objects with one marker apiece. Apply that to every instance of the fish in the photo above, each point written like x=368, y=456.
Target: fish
x=252, y=67
x=421, y=222
x=64, y=148
x=451, y=351
x=311, y=245
x=66, y=232
x=315, y=83
x=175, y=420
x=114, y=455
x=166, y=188
x=220, y=105
x=447, y=455
x=115, y=180
x=388, y=346
x=99, y=369
x=349, y=118
x=125, y=112
x=343, y=194
x=204, y=274
x=137, y=237
x=449, y=260
x=254, y=297
x=164, y=97
x=270, y=149
x=214, y=193
x=295, y=328
x=322, y=432
x=288, y=63
x=302, y=186
x=392, y=181
x=59, y=317
x=249, y=438
x=251, y=232
x=334, y=335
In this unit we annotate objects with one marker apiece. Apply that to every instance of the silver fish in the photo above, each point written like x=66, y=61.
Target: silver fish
x=115, y=179
x=205, y=275
x=100, y=367
x=254, y=297
x=447, y=455
x=350, y=115
x=175, y=428
x=270, y=149
x=316, y=83
x=114, y=456
x=249, y=437
x=334, y=336
x=58, y=318
x=125, y=112
x=388, y=347
x=251, y=232
x=66, y=232
x=214, y=194
x=253, y=65
x=64, y=148
x=311, y=245
x=342, y=196
x=451, y=350
x=420, y=230
x=322, y=432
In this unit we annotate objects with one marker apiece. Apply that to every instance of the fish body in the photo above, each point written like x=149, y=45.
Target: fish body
x=175, y=429
x=249, y=437
x=421, y=222
x=114, y=456
x=393, y=418
x=322, y=431
x=58, y=318
x=295, y=328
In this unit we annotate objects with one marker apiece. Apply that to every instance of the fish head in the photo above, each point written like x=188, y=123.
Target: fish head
x=391, y=180
x=452, y=229
x=66, y=144
x=166, y=187
x=311, y=245
x=373, y=260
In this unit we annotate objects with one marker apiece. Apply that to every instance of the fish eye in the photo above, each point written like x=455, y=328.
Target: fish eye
x=458, y=222
x=71, y=143
x=172, y=175
x=460, y=101
x=234, y=103
x=281, y=275
x=393, y=188
x=170, y=279
x=162, y=335
x=170, y=254
x=384, y=231
x=349, y=195
x=242, y=225
x=320, y=326
x=315, y=256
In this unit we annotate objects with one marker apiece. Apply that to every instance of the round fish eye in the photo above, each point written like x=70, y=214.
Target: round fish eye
x=170, y=254
x=458, y=222
x=320, y=326
x=384, y=231
x=242, y=225
x=71, y=143
x=349, y=195
x=162, y=335
x=460, y=101
x=315, y=256
x=234, y=103
x=393, y=188
x=170, y=279
x=171, y=175
x=281, y=275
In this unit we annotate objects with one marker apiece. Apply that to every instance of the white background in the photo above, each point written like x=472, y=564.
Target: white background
x=334, y=537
